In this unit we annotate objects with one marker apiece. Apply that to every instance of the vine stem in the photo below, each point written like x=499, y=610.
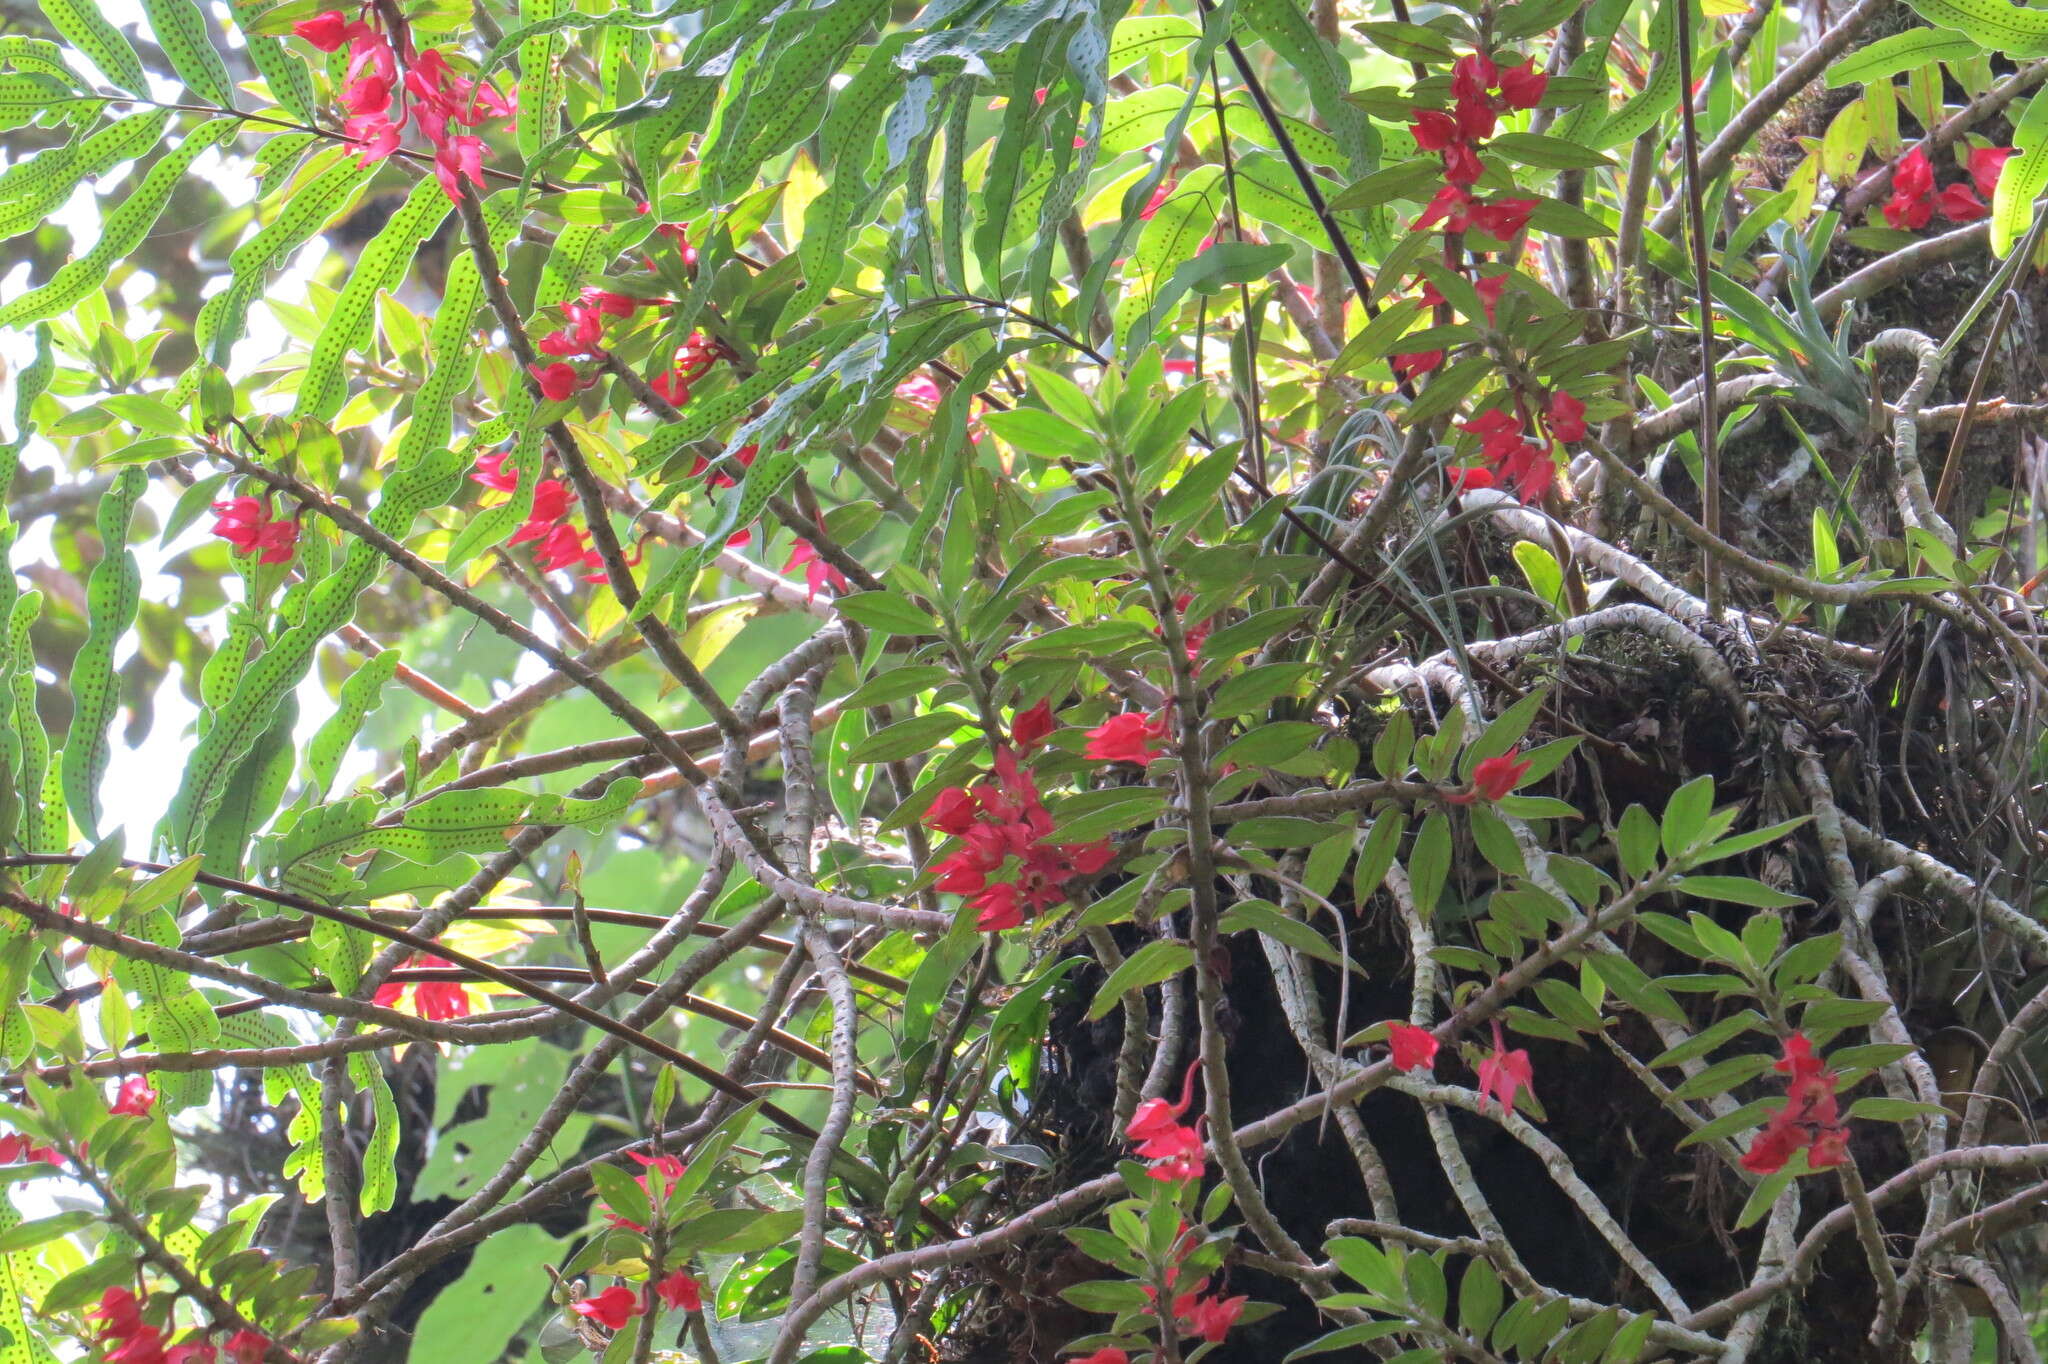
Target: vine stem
x=48, y=919
x=1702, y=260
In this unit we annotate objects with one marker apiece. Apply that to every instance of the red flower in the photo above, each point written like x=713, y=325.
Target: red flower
x=16, y=1148
x=247, y=1347
x=492, y=473
x=1473, y=77
x=997, y=907
x=1413, y=363
x=558, y=381
x=1489, y=290
x=1986, y=165
x=1156, y=1117
x=1567, y=417
x=612, y=1308
x=617, y=305
x=1475, y=117
x=817, y=573
x=121, y=1310
x=1212, y=1318
x=566, y=547
x=1915, y=174
x=370, y=95
x=435, y=1001
x=680, y=1290
x=461, y=158
x=1465, y=480
x=1132, y=737
x=1503, y=218
x=144, y=1346
x=1413, y=1048
x=327, y=30
x=551, y=499
x=1434, y=130
x=1461, y=165
x=245, y=523
x=1493, y=778
x=135, y=1099
x=1503, y=1074
x=1030, y=727
x=1159, y=197
x=1158, y=1135
x=952, y=812
x=1451, y=207
x=1175, y=1154
x=1004, y=866
x=1523, y=86
x=672, y=388
x=1960, y=204
x=744, y=455
x=1810, y=1119
x=1912, y=201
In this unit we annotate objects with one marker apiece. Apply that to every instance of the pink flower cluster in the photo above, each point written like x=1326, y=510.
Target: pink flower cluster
x=1504, y=1073
x=1481, y=91
x=1004, y=865
x=557, y=544
x=817, y=573
x=126, y=1338
x=1913, y=198
x=1511, y=459
x=1159, y=1136
x=1196, y=1311
x=692, y=360
x=386, y=76
x=619, y=1304
x=1810, y=1120
x=245, y=523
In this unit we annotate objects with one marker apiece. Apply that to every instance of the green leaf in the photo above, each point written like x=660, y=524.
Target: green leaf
x=1723, y=1076
x=888, y=611
x=1479, y=1297
x=1257, y=688
x=1260, y=917
x=1554, y=153
x=122, y=230
x=23, y=1283
x=112, y=594
x=1154, y=962
x=1344, y=1338
x=83, y=24
x=1733, y=1124
x=1685, y=815
x=2024, y=176
x=1767, y=1191
x=1991, y=23
x=1429, y=862
x=1894, y=1110
x=1888, y=56
x=181, y=33
x=1739, y=890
